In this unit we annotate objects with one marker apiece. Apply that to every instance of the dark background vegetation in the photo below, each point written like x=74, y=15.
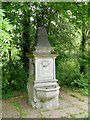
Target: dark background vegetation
x=67, y=27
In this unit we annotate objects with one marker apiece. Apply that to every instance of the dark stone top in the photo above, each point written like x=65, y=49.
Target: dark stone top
x=41, y=38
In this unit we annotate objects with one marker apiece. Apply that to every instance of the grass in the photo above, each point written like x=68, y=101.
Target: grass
x=41, y=107
x=81, y=113
x=88, y=117
x=6, y=96
x=18, y=108
x=65, y=90
x=76, y=96
x=80, y=107
x=80, y=90
x=0, y=118
x=42, y=101
x=11, y=94
x=46, y=110
x=72, y=115
x=61, y=97
x=43, y=117
x=83, y=92
x=59, y=108
x=75, y=105
x=64, y=116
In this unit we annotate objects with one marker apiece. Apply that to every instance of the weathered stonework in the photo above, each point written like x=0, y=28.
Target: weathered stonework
x=42, y=85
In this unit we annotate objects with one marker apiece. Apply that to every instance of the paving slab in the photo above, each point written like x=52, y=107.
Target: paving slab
x=8, y=109
x=89, y=99
x=86, y=99
x=67, y=104
x=64, y=104
x=54, y=114
x=73, y=110
x=75, y=101
x=82, y=115
x=67, y=97
x=71, y=98
x=81, y=105
x=24, y=104
x=32, y=116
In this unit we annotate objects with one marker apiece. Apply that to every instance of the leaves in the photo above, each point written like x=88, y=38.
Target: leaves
x=2, y=12
x=5, y=36
x=64, y=22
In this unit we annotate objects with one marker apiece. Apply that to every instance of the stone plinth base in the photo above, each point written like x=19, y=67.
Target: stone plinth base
x=43, y=98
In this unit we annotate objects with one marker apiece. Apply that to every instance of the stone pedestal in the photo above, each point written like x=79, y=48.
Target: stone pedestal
x=42, y=86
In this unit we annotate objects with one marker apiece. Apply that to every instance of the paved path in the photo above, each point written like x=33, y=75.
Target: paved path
x=70, y=107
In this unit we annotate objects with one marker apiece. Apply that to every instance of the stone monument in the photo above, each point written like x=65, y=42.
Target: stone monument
x=42, y=86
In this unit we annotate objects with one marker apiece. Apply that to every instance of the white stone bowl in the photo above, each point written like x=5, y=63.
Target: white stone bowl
x=47, y=93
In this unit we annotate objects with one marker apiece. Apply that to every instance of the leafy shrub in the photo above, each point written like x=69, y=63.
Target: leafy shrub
x=14, y=77
x=81, y=82
x=68, y=73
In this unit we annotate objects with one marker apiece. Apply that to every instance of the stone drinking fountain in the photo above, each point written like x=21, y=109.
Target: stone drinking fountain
x=42, y=86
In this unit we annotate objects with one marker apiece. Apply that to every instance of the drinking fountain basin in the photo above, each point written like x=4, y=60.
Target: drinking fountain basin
x=47, y=93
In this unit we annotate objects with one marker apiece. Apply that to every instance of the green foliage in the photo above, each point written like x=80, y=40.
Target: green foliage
x=5, y=32
x=63, y=89
x=76, y=96
x=83, y=58
x=14, y=77
x=43, y=101
x=72, y=115
x=43, y=118
x=61, y=97
x=65, y=25
x=68, y=74
x=64, y=116
x=11, y=94
x=46, y=110
x=59, y=108
x=82, y=91
x=66, y=71
x=80, y=82
x=18, y=108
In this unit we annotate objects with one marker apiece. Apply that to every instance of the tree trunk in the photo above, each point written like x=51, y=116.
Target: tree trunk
x=10, y=64
x=9, y=51
x=83, y=44
x=25, y=39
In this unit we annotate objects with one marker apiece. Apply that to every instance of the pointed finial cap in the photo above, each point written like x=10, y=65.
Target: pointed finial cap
x=41, y=38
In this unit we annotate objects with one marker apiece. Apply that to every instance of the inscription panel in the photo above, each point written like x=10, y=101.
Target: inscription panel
x=44, y=69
